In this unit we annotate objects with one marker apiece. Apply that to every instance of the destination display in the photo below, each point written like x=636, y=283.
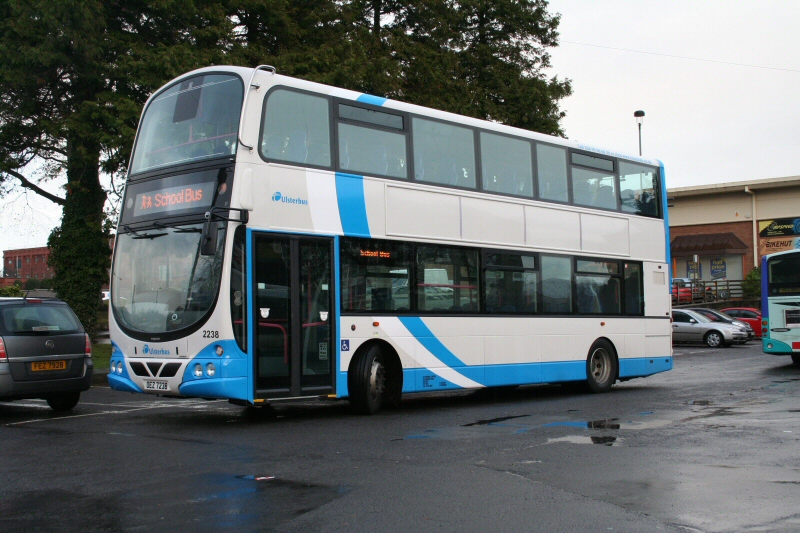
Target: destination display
x=792, y=317
x=173, y=199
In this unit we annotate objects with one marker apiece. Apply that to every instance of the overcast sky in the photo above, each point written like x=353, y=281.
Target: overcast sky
x=709, y=118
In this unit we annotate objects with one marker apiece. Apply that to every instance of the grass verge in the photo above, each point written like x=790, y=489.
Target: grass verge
x=101, y=353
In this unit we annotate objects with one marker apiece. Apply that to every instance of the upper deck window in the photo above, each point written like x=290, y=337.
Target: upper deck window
x=443, y=153
x=371, y=142
x=551, y=164
x=297, y=128
x=594, y=189
x=593, y=162
x=194, y=119
x=638, y=189
x=506, y=164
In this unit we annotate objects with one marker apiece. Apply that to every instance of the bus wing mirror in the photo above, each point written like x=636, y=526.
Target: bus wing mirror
x=208, y=239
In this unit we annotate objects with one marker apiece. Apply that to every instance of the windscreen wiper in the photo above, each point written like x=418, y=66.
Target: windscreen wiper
x=143, y=235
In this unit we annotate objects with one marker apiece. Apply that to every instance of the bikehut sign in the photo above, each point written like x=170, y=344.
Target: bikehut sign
x=778, y=235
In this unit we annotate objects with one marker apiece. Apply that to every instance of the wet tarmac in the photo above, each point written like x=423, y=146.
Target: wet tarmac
x=712, y=446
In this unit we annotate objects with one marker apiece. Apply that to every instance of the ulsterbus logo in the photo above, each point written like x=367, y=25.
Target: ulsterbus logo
x=150, y=351
x=278, y=197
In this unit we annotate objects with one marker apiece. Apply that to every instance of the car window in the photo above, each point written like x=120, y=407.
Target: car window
x=44, y=319
x=680, y=317
x=749, y=314
x=733, y=313
x=701, y=318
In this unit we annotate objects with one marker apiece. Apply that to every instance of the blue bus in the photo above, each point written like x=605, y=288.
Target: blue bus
x=780, y=304
x=283, y=239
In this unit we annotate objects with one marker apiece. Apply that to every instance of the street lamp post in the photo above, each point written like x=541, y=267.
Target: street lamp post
x=639, y=118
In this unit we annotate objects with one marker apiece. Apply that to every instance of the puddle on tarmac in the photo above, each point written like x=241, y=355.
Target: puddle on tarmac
x=611, y=423
x=699, y=402
x=606, y=440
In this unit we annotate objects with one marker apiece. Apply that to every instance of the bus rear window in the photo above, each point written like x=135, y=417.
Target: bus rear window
x=784, y=275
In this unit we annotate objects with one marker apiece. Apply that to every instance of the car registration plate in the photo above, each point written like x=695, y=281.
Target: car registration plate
x=48, y=365
x=150, y=384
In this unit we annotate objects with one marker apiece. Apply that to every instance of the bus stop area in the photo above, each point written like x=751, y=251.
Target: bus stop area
x=709, y=446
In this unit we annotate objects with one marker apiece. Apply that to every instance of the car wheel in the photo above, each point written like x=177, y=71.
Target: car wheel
x=65, y=401
x=601, y=366
x=796, y=359
x=714, y=339
x=368, y=382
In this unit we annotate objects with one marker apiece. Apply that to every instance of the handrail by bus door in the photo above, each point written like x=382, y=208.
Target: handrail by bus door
x=246, y=95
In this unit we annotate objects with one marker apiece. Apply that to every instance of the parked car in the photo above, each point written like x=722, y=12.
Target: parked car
x=749, y=315
x=686, y=290
x=44, y=352
x=719, y=316
x=690, y=326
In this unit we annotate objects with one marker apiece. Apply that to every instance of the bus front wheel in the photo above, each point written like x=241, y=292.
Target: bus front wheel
x=367, y=381
x=601, y=366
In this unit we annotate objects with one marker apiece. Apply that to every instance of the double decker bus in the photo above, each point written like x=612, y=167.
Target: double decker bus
x=780, y=304
x=284, y=239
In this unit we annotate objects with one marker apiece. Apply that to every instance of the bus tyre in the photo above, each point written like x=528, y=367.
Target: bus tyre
x=601, y=366
x=367, y=381
x=714, y=339
x=796, y=359
x=65, y=401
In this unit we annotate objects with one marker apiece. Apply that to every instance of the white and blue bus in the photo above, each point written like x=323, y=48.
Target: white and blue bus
x=780, y=304
x=283, y=239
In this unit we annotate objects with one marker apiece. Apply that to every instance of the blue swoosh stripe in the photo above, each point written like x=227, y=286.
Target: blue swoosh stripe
x=370, y=99
x=352, y=205
x=425, y=336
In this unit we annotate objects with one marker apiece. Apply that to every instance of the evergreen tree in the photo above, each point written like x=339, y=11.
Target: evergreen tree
x=74, y=75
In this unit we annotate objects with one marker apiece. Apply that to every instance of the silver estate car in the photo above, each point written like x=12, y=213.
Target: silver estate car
x=44, y=352
x=691, y=326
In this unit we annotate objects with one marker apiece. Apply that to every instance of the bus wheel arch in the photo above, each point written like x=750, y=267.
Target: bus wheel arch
x=602, y=365
x=375, y=377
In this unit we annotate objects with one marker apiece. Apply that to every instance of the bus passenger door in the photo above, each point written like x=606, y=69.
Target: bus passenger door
x=294, y=316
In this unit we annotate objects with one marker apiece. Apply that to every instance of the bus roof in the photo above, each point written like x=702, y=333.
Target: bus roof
x=246, y=73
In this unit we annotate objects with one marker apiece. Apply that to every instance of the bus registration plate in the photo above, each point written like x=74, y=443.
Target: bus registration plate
x=156, y=385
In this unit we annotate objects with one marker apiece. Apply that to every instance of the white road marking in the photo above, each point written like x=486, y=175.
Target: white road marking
x=153, y=405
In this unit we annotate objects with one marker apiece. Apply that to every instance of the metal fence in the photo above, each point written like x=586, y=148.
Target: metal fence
x=690, y=292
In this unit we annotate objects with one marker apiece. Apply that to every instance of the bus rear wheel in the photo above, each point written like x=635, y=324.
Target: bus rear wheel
x=601, y=366
x=796, y=359
x=367, y=381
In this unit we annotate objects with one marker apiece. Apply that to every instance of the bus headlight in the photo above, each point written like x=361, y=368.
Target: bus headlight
x=211, y=370
x=198, y=370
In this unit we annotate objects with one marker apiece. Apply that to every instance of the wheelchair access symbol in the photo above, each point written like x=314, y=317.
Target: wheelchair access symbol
x=345, y=345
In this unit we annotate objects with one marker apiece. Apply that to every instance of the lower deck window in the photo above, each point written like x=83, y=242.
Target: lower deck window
x=375, y=275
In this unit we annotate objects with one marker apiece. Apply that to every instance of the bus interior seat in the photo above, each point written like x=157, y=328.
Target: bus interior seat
x=297, y=150
x=604, y=197
x=381, y=298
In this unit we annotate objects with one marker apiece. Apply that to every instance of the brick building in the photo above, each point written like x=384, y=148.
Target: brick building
x=25, y=264
x=729, y=226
